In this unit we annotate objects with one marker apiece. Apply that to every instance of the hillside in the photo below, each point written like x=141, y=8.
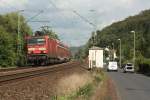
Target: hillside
x=139, y=23
x=74, y=50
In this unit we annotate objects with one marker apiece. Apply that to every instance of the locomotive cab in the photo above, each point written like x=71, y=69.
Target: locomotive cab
x=37, y=50
x=37, y=45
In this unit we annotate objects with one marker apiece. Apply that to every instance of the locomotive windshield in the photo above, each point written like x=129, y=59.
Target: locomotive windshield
x=36, y=41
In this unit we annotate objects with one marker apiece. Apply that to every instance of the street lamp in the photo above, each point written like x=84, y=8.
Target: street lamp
x=134, y=48
x=113, y=52
x=120, y=51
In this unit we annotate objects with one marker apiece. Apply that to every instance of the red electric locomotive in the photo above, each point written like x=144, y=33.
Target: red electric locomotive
x=42, y=50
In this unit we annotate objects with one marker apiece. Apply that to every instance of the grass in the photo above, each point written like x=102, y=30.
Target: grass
x=85, y=92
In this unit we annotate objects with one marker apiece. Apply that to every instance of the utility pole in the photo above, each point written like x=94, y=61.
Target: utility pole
x=18, y=34
x=95, y=26
x=19, y=42
x=90, y=23
x=120, y=52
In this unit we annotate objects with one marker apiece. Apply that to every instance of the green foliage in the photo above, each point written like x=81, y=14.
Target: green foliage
x=7, y=54
x=9, y=38
x=81, y=54
x=50, y=32
x=139, y=23
x=85, y=91
x=10, y=23
x=143, y=63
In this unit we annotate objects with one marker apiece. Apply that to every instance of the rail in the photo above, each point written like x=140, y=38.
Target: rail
x=4, y=79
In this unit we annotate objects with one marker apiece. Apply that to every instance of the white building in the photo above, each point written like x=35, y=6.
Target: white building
x=95, y=57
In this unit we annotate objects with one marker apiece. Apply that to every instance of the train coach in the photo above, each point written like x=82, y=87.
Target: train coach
x=42, y=50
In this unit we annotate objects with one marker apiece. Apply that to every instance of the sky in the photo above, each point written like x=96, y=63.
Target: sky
x=70, y=27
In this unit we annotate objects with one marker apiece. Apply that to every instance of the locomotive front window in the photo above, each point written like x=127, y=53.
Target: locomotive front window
x=36, y=41
x=40, y=41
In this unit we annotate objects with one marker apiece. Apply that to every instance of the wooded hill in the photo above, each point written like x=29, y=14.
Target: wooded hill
x=122, y=30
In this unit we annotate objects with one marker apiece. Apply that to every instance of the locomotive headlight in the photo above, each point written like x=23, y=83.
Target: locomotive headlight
x=29, y=52
x=31, y=49
x=42, y=49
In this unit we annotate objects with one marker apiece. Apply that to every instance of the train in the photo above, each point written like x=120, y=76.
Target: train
x=43, y=50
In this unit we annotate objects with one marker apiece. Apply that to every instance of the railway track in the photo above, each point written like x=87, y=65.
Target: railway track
x=21, y=68
x=8, y=78
x=14, y=69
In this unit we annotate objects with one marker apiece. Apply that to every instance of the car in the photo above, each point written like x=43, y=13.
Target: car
x=112, y=66
x=129, y=67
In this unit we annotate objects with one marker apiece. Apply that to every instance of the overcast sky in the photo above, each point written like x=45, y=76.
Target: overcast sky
x=71, y=29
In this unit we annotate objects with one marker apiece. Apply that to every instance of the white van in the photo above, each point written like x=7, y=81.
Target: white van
x=112, y=66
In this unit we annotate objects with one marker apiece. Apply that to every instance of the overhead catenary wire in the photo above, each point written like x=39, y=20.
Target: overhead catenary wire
x=35, y=16
x=40, y=21
x=83, y=18
x=75, y=12
x=53, y=4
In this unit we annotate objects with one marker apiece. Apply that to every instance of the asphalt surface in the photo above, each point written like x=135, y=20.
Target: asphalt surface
x=131, y=86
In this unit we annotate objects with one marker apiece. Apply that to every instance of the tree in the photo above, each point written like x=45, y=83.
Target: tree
x=9, y=28
x=47, y=30
x=7, y=54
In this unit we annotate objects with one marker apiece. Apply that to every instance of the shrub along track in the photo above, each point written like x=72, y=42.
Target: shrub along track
x=33, y=72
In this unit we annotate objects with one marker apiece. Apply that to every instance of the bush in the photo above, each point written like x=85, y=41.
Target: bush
x=144, y=66
x=7, y=53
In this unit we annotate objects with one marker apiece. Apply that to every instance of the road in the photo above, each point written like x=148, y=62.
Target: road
x=131, y=86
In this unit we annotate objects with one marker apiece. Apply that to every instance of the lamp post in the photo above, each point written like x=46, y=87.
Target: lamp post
x=134, y=48
x=113, y=51
x=120, y=51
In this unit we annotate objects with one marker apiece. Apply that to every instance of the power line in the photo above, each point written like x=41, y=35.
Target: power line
x=75, y=12
x=35, y=16
x=83, y=18
x=43, y=21
x=53, y=4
